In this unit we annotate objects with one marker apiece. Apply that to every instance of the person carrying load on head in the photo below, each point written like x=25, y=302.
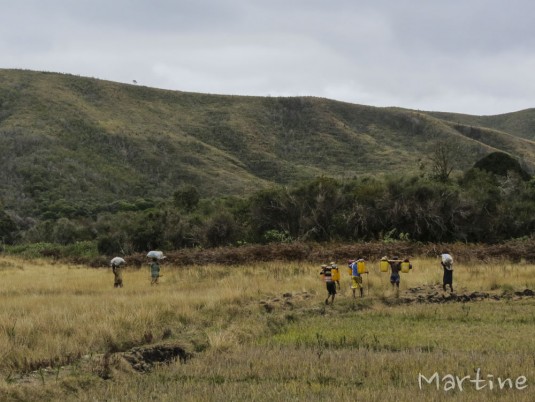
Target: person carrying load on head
x=447, y=264
x=356, y=277
x=326, y=271
x=117, y=264
x=156, y=257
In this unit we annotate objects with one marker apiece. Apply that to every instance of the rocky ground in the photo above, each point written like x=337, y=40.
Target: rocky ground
x=421, y=294
x=139, y=359
x=435, y=294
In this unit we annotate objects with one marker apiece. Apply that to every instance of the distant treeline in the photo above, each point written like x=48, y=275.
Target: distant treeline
x=477, y=206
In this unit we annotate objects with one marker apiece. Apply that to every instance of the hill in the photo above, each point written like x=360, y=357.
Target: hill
x=521, y=123
x=73, y=143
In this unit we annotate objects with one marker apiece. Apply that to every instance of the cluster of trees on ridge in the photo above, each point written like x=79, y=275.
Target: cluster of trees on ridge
x=491, y=202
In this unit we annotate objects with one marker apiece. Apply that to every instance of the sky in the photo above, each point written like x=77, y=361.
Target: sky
x=464, y=56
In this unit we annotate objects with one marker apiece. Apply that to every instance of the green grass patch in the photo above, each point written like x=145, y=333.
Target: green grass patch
x=500, y=326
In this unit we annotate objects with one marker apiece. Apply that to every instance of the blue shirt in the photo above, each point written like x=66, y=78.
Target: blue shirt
x=354, y=269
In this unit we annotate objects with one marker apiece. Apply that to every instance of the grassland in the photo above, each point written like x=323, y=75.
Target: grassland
x=261, y=332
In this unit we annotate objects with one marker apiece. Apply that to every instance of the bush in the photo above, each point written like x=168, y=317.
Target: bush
x=221, y=230
x=31, y=250
x=500, y=164
x=82, y=249
x=8, y=228
x=277, y=236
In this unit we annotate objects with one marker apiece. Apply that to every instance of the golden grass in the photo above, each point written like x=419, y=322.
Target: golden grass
x=53, y=314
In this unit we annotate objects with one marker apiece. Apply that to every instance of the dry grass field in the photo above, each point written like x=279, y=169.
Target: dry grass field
x=262, y=332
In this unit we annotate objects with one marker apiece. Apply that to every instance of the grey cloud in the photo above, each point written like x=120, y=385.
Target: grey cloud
x=473, y=56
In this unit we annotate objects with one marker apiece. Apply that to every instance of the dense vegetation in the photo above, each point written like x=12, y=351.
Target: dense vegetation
x=122, y=168
x=478, y=206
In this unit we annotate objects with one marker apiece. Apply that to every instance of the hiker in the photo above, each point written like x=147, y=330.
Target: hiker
x=117, y=269
x=356, y=278
x=335, y=274
x=154, y=271
x=326, y=271
x=447, y=264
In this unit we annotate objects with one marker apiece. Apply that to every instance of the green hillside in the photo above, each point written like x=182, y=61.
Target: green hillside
x=71, y=143
x=521, y=124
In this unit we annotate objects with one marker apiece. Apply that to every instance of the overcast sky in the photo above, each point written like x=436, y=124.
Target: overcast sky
x=467, y=56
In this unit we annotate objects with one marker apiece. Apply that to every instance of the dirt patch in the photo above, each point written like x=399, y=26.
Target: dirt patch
x=286, y=301
x=139, y=359
x=144, y=358
x=435, y=294
x=431, y=294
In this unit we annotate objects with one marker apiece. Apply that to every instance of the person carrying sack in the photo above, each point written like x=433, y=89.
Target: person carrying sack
x=447, y=264
x=117, y=264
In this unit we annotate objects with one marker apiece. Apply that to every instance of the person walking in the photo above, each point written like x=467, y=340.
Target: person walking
x=154, y=271
x=395, y=268
x=117, y=264
x=326, y=271
x=447, y=265
x=356, y=278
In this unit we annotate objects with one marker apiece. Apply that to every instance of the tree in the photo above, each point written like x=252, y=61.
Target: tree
x=443, y=157
x=148, y=232
x=221, y=230
x=65, y=231
x=113, y=243
x=318, y=201
x=8, y=228
x=269, y=211
x=186, y=198
x=501, y=164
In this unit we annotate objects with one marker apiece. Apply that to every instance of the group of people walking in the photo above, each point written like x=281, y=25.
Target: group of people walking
x=330, y=272
x=117, y=265
x=331, y=276
x=396, y=265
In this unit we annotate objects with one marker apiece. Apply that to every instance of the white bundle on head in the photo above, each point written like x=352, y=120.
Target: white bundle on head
x=447, y=259
x=156, y=254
